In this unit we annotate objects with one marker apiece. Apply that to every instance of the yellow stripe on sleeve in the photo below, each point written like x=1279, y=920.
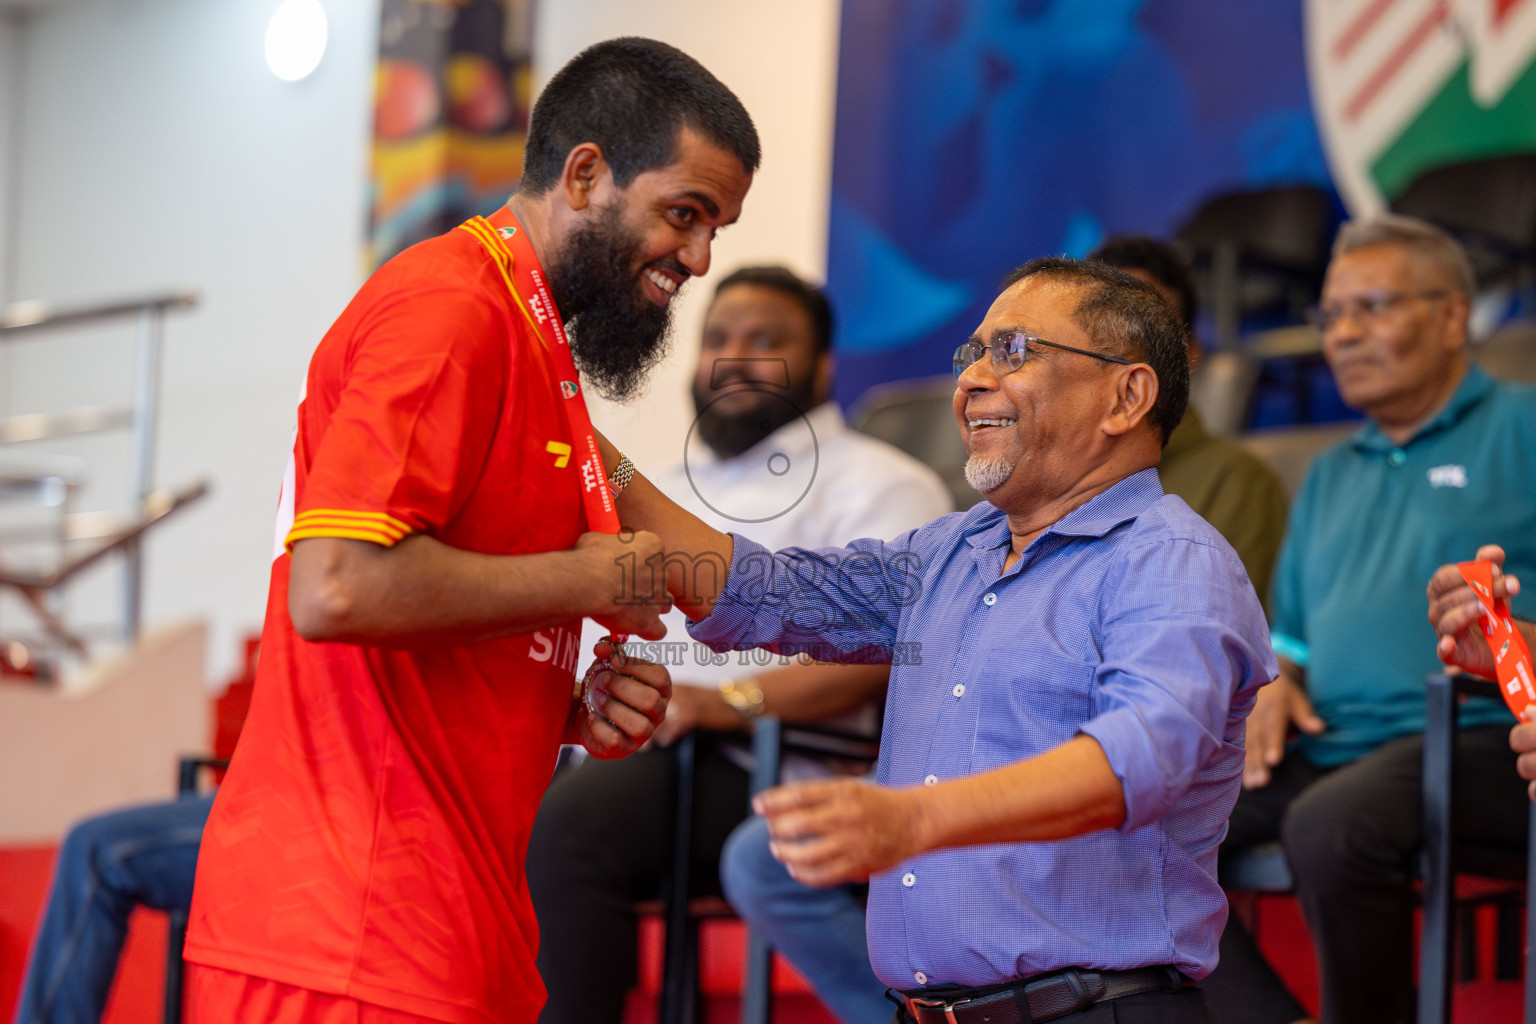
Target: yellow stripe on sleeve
x=374, y=527
x=380, y=518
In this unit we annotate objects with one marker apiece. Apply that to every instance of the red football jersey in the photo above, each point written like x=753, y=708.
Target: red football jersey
x=370, y=837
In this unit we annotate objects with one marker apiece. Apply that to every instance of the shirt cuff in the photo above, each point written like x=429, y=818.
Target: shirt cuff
x=1133, y=758
x=1291, y=648
x=733, y=615
x=375, y=527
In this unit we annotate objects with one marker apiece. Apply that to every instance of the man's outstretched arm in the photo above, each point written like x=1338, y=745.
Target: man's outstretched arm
x=840, y=830
x=686, y=541
x=421, y=593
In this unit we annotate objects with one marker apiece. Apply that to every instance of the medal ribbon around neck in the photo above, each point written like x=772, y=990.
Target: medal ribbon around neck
x=506, y=241
x=1511, y=655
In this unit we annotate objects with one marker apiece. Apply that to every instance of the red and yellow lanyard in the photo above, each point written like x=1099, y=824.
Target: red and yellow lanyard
x=507, y=242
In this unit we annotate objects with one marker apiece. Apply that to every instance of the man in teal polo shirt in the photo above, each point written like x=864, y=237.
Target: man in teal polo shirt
x=1444, y=461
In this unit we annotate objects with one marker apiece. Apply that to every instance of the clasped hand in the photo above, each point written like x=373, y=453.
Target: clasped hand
x=628, y=593
x=1454, y=609
x=631, y=697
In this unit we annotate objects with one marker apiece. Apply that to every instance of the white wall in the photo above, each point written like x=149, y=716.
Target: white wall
x=781, y=60
x=12, y=71
x=158, y=150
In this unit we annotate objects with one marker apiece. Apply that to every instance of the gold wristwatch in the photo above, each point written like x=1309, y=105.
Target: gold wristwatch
x=744, y=696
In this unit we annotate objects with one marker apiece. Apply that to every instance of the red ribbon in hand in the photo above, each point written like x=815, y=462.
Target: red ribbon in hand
x=1511, y=656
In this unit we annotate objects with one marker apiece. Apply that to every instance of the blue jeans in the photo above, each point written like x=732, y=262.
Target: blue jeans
x=820, y=931
x=107, y=866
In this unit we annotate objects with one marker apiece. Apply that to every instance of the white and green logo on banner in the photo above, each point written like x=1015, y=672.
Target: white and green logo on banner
x=1401, y=86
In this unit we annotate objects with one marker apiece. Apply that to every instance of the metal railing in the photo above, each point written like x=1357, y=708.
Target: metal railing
x=32, y=320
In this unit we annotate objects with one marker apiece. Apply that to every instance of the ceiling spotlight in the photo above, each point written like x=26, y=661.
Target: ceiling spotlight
x=296, y=39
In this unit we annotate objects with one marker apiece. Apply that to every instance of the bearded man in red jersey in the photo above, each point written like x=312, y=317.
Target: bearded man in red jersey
x=446, y=522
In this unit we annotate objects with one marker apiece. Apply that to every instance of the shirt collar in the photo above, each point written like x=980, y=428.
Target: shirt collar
x=825, y=420
x=1474, y=387
x=1122, y=502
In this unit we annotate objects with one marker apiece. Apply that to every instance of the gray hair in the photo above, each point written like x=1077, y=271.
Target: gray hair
x=1420, y=238
x=1124, y=314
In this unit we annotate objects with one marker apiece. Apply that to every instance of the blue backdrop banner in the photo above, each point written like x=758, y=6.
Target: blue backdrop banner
x=973, y=135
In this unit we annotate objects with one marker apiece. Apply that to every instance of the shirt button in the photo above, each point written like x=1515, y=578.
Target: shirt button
x=989, y=600
x=909, y=879
x=931, y=780
x=1397, y=457
x=920, y=978
x=959, y=690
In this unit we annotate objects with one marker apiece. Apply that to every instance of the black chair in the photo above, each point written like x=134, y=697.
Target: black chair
x=1442, y=858
x=1489, y=205
x=771, y=739
x=680, y=958
x=1258, y=251
x=186, y=785
x=918, y=416
x=1261, y=871
x=684, y=915
x=1221, y=388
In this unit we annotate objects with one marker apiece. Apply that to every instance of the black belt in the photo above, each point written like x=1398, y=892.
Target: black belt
x=1044, y=997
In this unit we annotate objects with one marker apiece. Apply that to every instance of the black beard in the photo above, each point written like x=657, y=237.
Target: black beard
x=617, y=335
x=730, y=434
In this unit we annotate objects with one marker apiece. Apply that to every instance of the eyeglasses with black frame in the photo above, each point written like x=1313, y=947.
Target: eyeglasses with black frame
x=1365, y=308
x=1010, y=350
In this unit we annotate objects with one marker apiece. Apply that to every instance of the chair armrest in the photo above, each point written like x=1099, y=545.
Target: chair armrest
x=1472, y=686
x=767, y=752
x=826, y=741
x=188, y=767
x=772, y=737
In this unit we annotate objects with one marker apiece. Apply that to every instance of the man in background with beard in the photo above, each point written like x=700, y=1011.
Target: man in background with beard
x=768, y=448
x=442, y=531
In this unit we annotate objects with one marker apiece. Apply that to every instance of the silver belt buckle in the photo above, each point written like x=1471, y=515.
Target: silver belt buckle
x=948, y=1008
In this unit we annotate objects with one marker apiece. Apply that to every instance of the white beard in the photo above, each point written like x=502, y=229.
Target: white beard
x=987, y=473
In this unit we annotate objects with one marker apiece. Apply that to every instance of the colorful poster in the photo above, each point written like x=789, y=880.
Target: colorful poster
x=451, y=99
x=1401, y=86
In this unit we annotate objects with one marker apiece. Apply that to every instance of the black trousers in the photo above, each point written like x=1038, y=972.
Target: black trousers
x=603, y=841
x=1183, y=1007
x=1352, y=836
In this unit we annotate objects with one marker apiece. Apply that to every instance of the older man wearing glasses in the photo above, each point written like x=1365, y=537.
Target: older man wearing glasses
x=1063, y=735
x=1445, y=459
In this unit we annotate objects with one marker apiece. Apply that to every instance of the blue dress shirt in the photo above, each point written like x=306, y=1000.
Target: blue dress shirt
x=1129, y=620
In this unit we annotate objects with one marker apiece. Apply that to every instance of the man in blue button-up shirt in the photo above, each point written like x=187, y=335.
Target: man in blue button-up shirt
x=1074, y=661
